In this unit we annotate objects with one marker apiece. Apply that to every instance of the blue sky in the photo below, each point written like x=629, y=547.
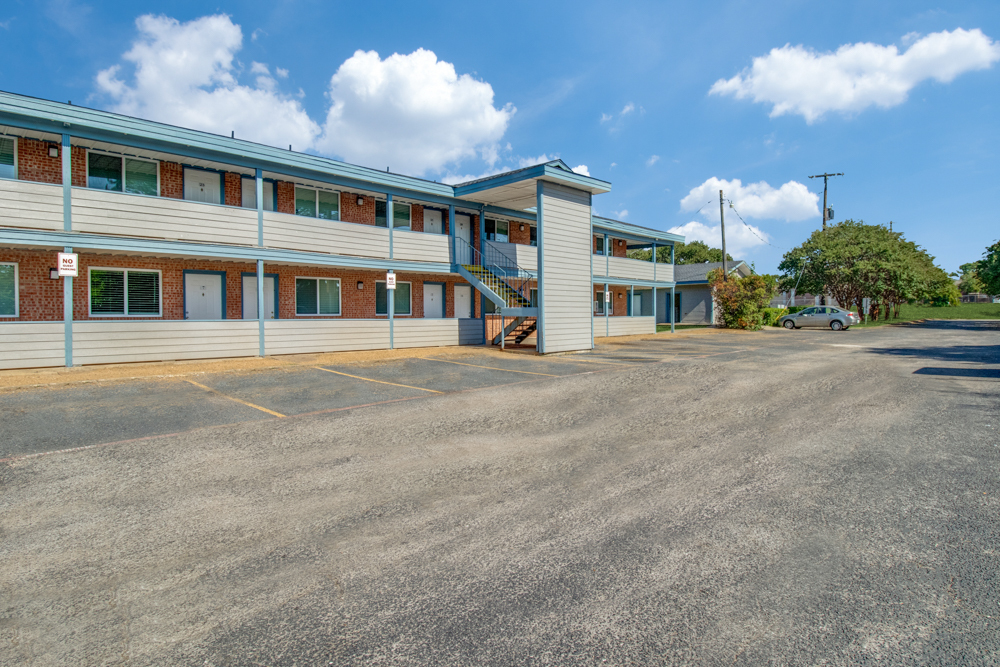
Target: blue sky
x=622, y=88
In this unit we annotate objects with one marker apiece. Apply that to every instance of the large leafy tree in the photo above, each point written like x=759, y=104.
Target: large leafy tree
x=968, y=278
x=988, y=269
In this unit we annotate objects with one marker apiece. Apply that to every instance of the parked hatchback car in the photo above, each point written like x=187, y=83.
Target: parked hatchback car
x=820, y=316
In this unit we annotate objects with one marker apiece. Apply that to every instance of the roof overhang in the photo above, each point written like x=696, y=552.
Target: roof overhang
x=639, y=235
x=518, y=190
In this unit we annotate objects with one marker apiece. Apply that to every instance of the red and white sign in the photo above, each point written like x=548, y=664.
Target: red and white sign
x=607, y=297
x=69, y=264
x=390, y=281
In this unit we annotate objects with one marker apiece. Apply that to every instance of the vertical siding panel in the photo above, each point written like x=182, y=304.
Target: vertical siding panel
x=566, y=250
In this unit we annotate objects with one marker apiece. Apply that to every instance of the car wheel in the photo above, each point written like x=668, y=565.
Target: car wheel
x=836, y=325
x=789, y=324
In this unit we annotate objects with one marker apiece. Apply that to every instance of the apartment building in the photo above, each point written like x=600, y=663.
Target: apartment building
x=190, y=245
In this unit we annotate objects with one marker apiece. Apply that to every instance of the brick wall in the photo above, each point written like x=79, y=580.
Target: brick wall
x=41, y=297
x=417, y=217
x=616, y=249
x=619, y=296
x=34, y=163
x=351, y=212
x=171, y=180
x=234, y=189
x=286, y=197
x=516, y=235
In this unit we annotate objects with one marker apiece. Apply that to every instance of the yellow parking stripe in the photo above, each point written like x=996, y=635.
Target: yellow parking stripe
x=489, y=368
x=358, y=377
x=232, y=398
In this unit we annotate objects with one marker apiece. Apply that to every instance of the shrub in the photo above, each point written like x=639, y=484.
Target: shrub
x=771, y=316
x=741, y=301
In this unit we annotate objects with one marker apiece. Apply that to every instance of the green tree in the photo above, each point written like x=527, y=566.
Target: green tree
x=741, y=301
x=968, y=278
x=696, y=252
x=988, y=270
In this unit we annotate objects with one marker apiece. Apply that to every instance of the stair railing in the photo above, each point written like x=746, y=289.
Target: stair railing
x=505, y=269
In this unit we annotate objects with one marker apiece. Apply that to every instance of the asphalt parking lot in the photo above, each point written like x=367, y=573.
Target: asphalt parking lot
x=789, y=498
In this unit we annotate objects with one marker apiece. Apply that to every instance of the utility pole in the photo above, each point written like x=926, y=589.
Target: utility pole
x=826, y=211
x=722, y=222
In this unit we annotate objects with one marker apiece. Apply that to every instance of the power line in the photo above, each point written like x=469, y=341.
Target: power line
x=751, y=228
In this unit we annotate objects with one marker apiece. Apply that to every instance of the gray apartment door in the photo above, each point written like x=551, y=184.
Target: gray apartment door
x=250, y=297
x=433, y=300
x=463, y=231
x=202, y=296
x=432, y=221
x=463, y=301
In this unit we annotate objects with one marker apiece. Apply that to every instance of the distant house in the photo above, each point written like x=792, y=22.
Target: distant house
x=693, y=302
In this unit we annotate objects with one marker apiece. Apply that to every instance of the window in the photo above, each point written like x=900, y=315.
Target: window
x=496, y=230
x=534, y=298
x=8, y=157
x=401, y=302
x=124, y=292
x=599, y=303
x=598, y=245
x=533, y=235
x=123, y=174
x=400, y=215
x=249, y=193
x=317, y=296
x=8, y=289
x=313, y=203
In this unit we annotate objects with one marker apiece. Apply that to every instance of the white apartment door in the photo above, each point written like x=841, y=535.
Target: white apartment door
x=432, y=221
x=433, y=300
x=202, y=296
x=250, y=297
x=463, y=231
x=203, y=186
x=463, y=301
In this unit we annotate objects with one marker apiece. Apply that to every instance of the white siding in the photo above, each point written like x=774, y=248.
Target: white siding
x=525, y=256
x=118, y=341
x=623, y=267
x=623, y=326
x=32, y=344
x=421, y=246
x=437, y=332
x=31, y=205
x=102, y=212
x=565, y=283
x=301, y=335
x=296, y=232
x=665, y=273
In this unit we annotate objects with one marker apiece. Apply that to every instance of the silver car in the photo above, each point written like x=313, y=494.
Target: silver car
x=820, y=316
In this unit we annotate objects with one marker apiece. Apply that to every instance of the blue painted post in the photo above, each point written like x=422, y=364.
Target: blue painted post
x=260, y=303
x=607, y=255
x=607, y=306
x=451, y=233
x=654, y=263
x=631, y=301
x=68, y=315
x=482, y=256
x=672, y=309
x=390, y=222
x=390, y=308
x=654, y=310
x=260, y=207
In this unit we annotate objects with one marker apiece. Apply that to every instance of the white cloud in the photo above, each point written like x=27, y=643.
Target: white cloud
x=629, y=108
x=620, y=215
x=281, y=72
x=605, y=117
x=796, y=80
x=185, y=75
x=653, y=159
x=614, y=164
x=739, y=238
x=410, y=112
x=523, y=162
x=792, y=202
x=582, y=169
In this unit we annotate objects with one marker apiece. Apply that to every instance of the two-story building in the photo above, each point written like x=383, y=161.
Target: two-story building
x=191, y=245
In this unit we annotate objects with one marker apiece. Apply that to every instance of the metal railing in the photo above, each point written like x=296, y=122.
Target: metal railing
x=500, y=271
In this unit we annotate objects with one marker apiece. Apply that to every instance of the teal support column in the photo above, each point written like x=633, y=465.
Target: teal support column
x=654, y=310
x=390, y=308
x=672, y=308
x=67, y=183
x=451, y=233
x=654, y=262
x=390, y=223
x=482, y=229
x=68, y=315
x=608, y=305
x=260, y=207
x=607, y=255
x=672, y=262
x=260, y=304
x=631, y=301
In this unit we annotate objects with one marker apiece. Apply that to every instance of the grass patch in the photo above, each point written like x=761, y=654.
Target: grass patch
x=678, y=327
x=965, y=311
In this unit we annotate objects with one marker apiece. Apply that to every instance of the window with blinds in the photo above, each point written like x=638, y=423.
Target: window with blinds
x=401, y=301
x=313, y=203
x=124, y=292
x=249, y=193
x=122, y=174
x=8, y=157
x=400, y=215
x=8, y=289
x=317, y=296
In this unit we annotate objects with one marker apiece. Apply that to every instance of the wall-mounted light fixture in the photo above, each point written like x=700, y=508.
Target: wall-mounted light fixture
x=522, y=228
x=620, y=295
x=361, y=202
x=361, y=284
x=53, y=151
x=620, y=243
x=53, y=274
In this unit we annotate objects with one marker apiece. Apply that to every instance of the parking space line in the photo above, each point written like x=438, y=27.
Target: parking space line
x=358, y=377
x=233, y=398
x=489, y=368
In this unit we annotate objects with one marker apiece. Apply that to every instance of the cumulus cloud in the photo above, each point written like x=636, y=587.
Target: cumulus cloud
x=653, y=159
x=413, y=112
x=792, y=202
x=739, y=238
x=797, y=80
x=523, y=162
x=620, y=215
x=582, y=169
x=184, y=74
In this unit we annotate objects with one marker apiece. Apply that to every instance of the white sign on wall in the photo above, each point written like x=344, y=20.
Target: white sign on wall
x=390, y=281
x=607, y=297
x=69, y=264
